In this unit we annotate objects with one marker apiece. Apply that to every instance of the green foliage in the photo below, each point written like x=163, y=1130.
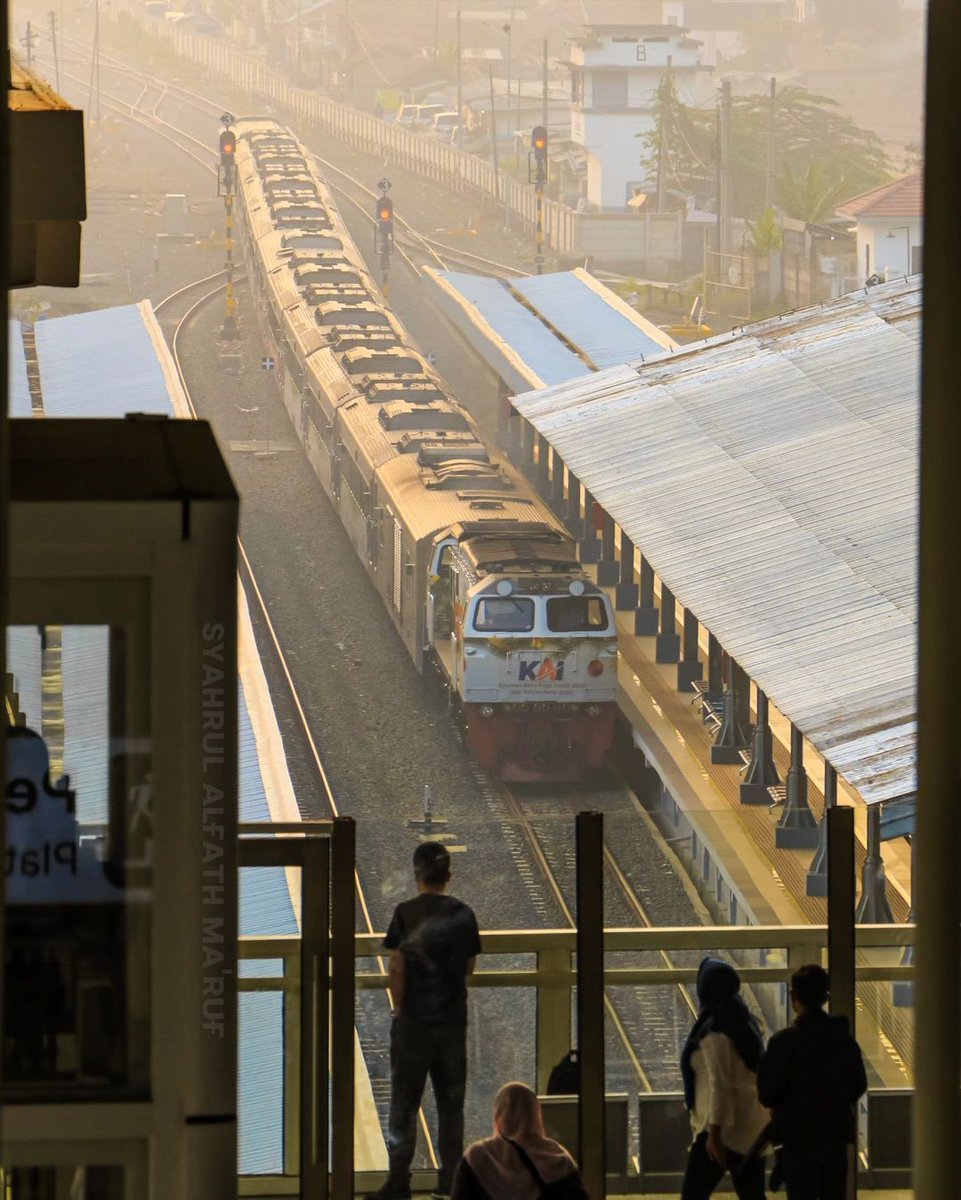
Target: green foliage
x=812, y=141
x=766, y=233
x=811, y=194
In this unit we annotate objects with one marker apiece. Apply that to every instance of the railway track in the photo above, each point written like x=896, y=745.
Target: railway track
x=645, y=1040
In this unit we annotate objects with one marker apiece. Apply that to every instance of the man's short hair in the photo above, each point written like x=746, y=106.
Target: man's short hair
x=810, y=985
x=432, y=863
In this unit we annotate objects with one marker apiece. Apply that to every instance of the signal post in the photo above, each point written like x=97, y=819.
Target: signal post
x=226, y=187
x=537, y=174
x=384, y=232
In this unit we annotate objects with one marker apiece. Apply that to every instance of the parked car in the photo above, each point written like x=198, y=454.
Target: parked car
x=443, y=123
x=425, y=114
x=406, y=114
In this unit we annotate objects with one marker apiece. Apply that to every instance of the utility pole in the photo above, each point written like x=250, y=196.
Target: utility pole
x=300, y=37
x=510, y=123
x=53, y=39
x=769, y=171
x=460, y=85
x=724, y=169
x=493, y=131
x=27, y=42
x=538, y=152
x=662, y=137
x=227, y=178
x=95, y=65
x=544, y=84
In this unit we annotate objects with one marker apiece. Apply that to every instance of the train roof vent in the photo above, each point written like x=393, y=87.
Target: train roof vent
x=303, y=239
x=346, y=339
x=460, y=472
x=318, y=271
x=398, y=416
x=432, y=451
x=414, y=391
x=390, y=360
x=359, y=316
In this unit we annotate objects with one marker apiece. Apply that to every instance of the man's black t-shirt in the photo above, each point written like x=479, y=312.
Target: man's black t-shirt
x=436, y=935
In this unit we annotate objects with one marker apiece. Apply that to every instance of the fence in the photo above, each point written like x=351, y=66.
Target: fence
x=542, y=960
x=606, y=238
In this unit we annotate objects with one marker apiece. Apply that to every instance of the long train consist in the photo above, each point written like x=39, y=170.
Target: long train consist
x=477, y=574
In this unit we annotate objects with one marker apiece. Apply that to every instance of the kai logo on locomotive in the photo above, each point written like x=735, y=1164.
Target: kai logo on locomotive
x=541, y=670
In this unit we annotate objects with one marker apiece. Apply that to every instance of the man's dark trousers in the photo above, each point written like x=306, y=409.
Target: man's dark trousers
x=815, y=1172
x=416, y=1051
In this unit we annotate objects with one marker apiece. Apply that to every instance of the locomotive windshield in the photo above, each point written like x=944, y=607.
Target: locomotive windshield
x=576, y=614
x=504, y=614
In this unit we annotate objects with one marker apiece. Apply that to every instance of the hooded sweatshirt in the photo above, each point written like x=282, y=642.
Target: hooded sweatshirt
x=493, y=1170
x=811, y=1075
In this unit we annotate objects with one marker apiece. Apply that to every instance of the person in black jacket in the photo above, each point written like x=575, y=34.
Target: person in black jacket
x=811, y=1075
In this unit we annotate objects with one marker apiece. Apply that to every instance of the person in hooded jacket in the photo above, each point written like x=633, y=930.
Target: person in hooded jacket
x=718, y=1065
x=811, y=1075
x=520, y=1159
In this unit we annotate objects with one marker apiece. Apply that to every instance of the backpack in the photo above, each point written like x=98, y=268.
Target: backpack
x=565, y=1077
x=569, y=1187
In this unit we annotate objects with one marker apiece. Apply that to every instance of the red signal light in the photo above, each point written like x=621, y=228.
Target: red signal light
x=539, y=141
x=228, y=143
x=385, y=209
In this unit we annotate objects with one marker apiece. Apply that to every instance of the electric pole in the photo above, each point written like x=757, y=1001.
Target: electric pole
x=27, y=42
x=227, y=179
x=724, y=169
x=538, y=152
x=53, y=39
x=460, y=86
x=544, y=84
x=662, y=134
x=769, y=171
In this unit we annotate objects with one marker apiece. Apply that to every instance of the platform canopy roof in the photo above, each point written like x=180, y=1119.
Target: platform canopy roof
x=540, y=330
x=770, y=475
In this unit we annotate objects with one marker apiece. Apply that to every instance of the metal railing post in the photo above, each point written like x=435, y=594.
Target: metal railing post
x=841, y=933
x=343, y=852
x=590, y=1000
x=314, y=1024
x=553, y=1011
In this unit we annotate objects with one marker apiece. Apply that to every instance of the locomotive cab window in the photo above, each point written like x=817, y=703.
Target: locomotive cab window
x=576, y=614
x=504, y=614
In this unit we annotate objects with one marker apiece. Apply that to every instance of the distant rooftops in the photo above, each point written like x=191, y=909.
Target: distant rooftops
x=903, y=197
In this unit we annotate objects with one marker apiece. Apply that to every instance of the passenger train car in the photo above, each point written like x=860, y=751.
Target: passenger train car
x=478, y=576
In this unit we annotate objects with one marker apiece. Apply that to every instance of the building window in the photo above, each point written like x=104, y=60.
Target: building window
x=78, y=868
x=577, y=87
x=610, y=89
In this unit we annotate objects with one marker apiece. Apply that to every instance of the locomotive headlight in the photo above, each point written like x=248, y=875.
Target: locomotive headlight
x=487, y=710
x=504, y=587
x=576, y=587
x=594, y=710
x=595, y=667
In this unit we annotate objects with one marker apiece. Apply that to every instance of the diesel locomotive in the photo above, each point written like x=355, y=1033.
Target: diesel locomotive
x=480, y=579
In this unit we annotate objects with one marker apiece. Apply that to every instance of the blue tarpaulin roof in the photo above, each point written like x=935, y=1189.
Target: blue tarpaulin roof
x=591, y=317
x=101, y=364
x=507, y=335
x=20, y=403
x=543, y=330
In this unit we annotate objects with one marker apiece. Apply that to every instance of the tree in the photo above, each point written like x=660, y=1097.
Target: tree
x=766, y=233
x=813, y=142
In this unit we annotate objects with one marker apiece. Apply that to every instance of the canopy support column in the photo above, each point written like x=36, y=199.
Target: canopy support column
x=798, y=826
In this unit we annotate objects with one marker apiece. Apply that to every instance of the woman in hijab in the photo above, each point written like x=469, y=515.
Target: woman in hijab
x=519, y=1159
x=719, y=1066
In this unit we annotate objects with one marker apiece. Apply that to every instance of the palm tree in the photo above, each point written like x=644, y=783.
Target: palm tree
x=811, y=195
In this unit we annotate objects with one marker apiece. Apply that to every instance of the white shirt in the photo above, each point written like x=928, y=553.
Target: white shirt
x=725, y=1094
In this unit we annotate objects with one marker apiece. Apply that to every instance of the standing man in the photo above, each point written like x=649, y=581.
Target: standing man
x=433, y=942
x=811, y=1076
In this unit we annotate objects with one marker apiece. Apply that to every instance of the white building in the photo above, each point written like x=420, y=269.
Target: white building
x=616, y=71
x=889, y=226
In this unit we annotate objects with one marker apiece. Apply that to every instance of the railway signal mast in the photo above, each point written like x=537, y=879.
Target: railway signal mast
x=384, y=231
x=226, y=187
x=537, y=174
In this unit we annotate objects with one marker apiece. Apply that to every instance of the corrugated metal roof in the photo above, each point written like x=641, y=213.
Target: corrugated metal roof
x=103, y=363
x=592, y=317
x=771, y=478
x=19, y=388
x=517, y=346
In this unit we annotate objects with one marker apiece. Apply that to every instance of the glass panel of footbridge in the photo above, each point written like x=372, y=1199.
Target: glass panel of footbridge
x=667, y=907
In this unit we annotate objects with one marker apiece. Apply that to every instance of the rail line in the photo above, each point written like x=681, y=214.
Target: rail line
x=540, y=853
